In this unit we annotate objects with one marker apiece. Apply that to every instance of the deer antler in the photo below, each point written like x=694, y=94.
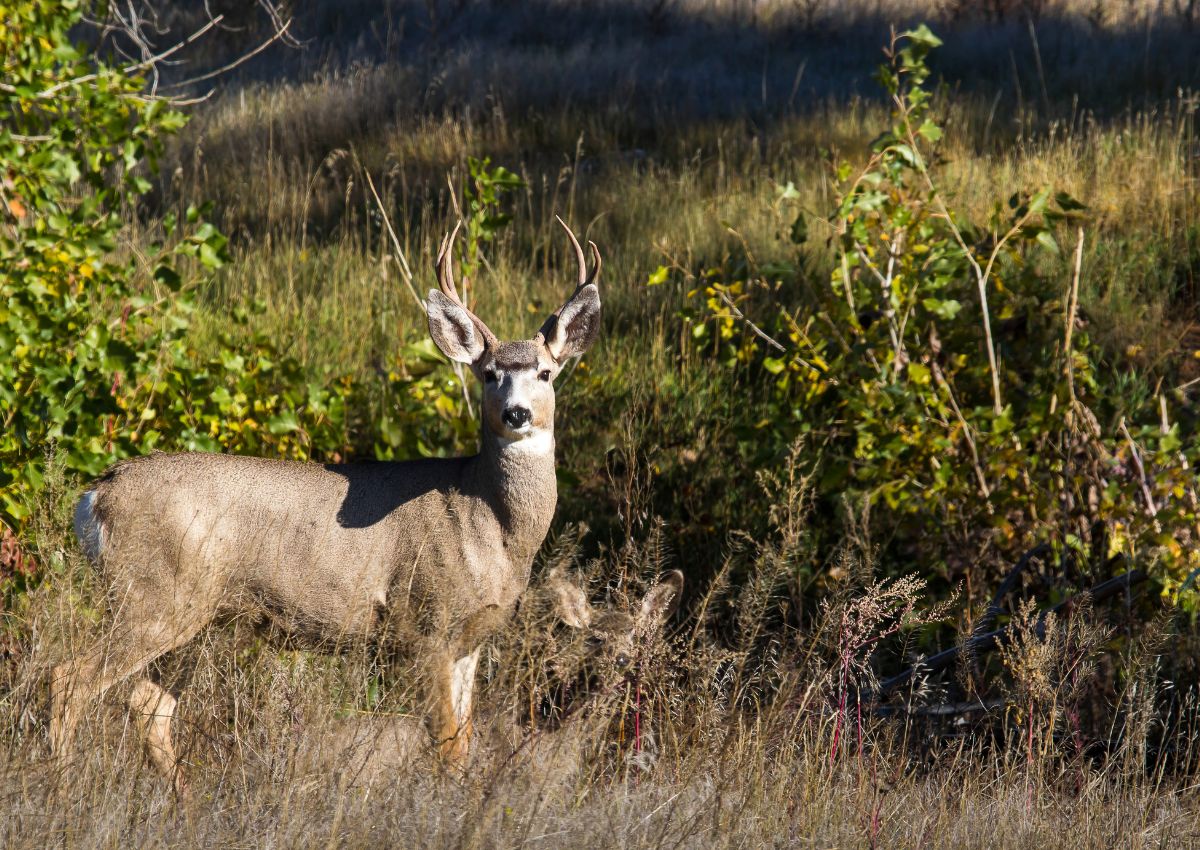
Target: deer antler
x=584, y=279
x=445, y=278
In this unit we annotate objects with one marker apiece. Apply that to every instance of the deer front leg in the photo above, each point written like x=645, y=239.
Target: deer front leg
x=454, y=683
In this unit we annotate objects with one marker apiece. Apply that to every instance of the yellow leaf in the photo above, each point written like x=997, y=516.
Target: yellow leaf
x=444, y=405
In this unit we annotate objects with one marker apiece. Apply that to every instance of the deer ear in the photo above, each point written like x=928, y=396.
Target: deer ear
x=570, y=602
x=452, y=329
x=576, y=326
x=661, y=601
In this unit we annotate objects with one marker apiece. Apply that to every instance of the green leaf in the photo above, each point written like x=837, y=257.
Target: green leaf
x=930, y=132
x=168, y=277
x=799, y=230
x=923, y=36
x=283, y=423
x=1067, y=203
x=1046, y=240
x=918, y=373
x=787, y=192
x=945, y=308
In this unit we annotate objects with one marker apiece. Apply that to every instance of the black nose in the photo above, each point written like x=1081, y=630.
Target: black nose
x=622, y=661
x=516, y=417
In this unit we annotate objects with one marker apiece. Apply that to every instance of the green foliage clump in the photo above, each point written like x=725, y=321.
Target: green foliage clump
x=96, y=361
x=75, y=133
x=484, y=193
x=93, y=329
x=944, y=371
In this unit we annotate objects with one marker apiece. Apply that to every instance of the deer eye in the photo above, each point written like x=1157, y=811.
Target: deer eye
x=489, y=376
x=544, y=375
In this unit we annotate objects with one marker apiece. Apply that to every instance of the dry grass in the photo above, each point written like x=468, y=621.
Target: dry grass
x=742, y=740
x=658, y=171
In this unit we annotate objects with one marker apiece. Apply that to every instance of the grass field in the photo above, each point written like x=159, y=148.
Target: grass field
x=663, y=131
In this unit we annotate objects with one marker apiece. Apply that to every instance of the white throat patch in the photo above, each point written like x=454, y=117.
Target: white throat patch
x=539, y=442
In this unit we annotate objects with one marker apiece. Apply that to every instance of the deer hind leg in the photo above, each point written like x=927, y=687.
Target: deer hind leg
x=154, y=709
x=454, y=685
x=112, y=659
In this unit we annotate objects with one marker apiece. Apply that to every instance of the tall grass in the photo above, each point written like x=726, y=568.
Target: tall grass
x=313, y=249
x=744, y=734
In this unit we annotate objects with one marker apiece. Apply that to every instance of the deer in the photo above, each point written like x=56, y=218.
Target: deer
x=426, y=557
x=552, y=732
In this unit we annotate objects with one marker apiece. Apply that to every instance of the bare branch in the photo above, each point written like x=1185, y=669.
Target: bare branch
x=740, y=316
x=279, y=35
x=128, y=69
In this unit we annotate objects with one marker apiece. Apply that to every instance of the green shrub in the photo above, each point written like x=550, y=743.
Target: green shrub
x=944, y=373
x=83, y=322
x=96, y=362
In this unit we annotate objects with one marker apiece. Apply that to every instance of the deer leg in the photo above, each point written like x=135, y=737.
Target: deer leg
x=462, y=689
x=76, y=684
x=154, y=709
x=454, y=682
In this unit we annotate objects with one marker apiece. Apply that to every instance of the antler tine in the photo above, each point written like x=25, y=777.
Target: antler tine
x=579, y=258
x=597, y=262
x=445, y=263
x=445, y=276
x=584, y=276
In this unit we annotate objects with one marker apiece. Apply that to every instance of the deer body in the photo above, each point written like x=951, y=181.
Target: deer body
x=328, y=552
x=426, y=556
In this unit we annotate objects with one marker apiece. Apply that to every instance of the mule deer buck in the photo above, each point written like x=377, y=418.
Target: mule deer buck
x=425, y=557
x=551, y=734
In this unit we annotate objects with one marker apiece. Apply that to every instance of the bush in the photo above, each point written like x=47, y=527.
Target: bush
x=96, y=362
x=946, y=372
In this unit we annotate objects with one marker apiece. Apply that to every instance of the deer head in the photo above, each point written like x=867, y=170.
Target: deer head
x=614, y=639
x=517, y=377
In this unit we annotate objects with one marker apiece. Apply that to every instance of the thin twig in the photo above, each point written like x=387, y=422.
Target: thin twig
x=245, y=57
x=1151, y=507
x=401, y=261
x=740, y=316
x=407, y=276
x=975, y=462
x=128, y=69
x=981, y=275
x=1072, y=307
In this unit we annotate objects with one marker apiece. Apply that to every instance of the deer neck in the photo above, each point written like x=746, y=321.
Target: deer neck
x=516, y=478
